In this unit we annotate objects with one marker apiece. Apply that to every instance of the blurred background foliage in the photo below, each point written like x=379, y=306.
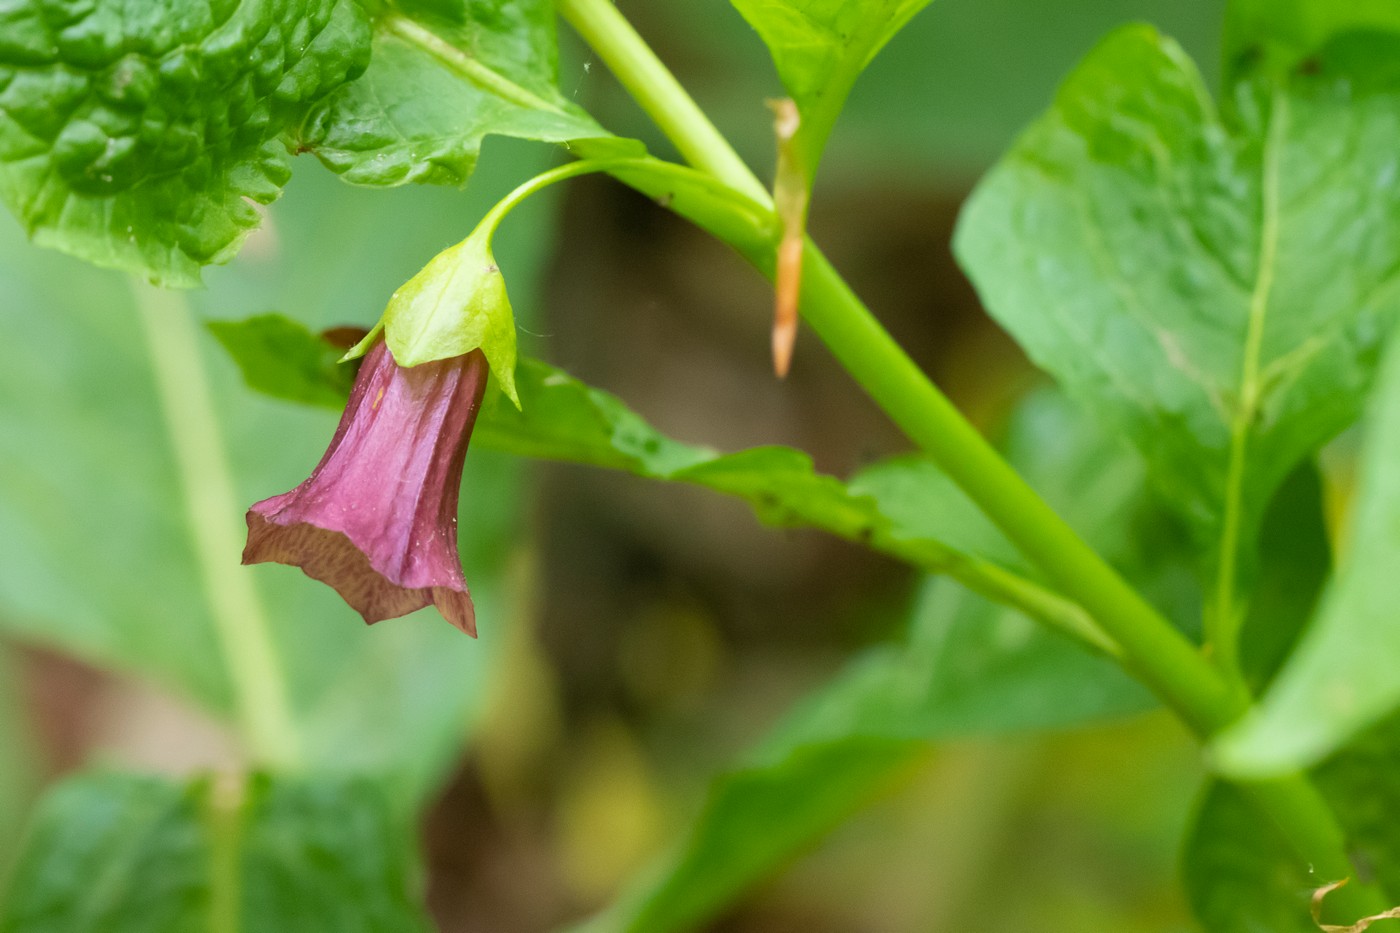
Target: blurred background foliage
x=636, y=638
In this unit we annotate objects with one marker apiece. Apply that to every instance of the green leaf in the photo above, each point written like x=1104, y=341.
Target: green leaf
x=820, y=47
x=135, y=135
x=969, y=668
x=564, y=419
x=1277, y=34
x=1239, y=872
x=1215, y=287
x=146, y=855
x=1295, y=560
x=1341, y=678
x=283, y=359
x=436, y=85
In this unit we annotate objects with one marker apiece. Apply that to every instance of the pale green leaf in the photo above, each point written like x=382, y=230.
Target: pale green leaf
x=442, y=77
x=820, y=47
x=143, y=854
x=1216, y=287
x=135, y=135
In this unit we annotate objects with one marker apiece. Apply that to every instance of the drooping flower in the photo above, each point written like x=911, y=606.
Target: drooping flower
x=377, y=518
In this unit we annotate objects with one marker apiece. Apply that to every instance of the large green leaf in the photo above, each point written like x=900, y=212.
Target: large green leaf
x=1239, y=874
x=134, y=135
x=96, y=558
x=1342, y=676
x=969, y=668
x=143, y=854
x=820, y=47
x=442, y=77
x=1214, y=286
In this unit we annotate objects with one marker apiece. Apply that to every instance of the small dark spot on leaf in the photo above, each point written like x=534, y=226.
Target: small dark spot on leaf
x=1310, y=66
x=666, y=199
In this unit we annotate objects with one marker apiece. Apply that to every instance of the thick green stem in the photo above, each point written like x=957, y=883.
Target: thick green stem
x=649, y=81
x=211, y=509
x=1152, y=648
x=1156, y=651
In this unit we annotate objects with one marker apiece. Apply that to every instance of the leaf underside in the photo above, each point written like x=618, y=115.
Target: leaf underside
x=434, y=89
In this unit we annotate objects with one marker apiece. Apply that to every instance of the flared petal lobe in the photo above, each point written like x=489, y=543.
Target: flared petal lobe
x=377, y=518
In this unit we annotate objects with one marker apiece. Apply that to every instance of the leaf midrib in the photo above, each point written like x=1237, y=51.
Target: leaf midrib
x=484, y=77
x=1223, y=625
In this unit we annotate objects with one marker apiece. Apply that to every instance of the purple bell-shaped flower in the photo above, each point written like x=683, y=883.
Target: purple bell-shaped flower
x=377, y=519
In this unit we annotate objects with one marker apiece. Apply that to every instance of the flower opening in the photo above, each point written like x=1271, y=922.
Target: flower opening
x=377, y=518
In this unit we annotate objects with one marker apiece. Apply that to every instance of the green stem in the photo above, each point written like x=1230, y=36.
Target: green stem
x=978, y=575
x=1154, y=650
x=1164, y=658
x=651, y=83
x=723, y=207
x=211, y=507
x=1010, y=589
x=227, y=796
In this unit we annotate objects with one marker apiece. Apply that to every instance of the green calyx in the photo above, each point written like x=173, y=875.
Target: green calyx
x=456, y=304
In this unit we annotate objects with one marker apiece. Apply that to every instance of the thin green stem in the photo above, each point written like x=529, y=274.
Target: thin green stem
x=1154, y=650
x=227, y=796
x=658, y=174
x=211, y=507
x=654, y=87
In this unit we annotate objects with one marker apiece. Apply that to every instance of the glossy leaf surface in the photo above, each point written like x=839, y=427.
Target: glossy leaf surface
x=135, y=136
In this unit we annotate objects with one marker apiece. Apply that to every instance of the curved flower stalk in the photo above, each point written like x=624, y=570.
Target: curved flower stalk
x=377, y=519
